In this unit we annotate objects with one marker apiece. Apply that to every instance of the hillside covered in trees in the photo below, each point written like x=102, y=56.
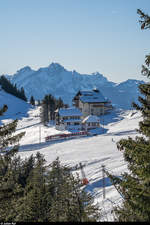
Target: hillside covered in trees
x=12, y=89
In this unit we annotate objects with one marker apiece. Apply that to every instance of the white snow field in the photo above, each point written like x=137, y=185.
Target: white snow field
x=17, y=108
x=92, y=151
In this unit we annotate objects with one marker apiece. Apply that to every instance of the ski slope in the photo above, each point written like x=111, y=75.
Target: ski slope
x=17, y=108
x=93, y=152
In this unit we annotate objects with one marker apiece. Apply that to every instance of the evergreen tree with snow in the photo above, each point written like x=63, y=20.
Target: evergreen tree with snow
x=69, y=202
x=4, y=109
x=31, y=206
x=54, y=195
x=22, y=94
x=34, y=192
x=44, y=113
x=59, y=103
x=48, y=107
x=135, y=185
x=32, y=100
x=6, y=133
x=12, y=89
x=9, y=188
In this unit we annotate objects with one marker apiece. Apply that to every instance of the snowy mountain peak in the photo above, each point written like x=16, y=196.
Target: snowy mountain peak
x=24, y=69
x=97, y=74
x=130, y=83
x=133, y=81
x=59, y=82
x=55, y=67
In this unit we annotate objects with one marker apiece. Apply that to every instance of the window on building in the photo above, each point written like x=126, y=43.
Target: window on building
x=76, y=123
x=65, y=117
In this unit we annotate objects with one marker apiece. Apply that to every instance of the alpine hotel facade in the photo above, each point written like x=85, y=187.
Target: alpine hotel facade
x=92, y=103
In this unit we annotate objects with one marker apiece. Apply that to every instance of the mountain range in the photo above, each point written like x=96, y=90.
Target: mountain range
x=59, y=82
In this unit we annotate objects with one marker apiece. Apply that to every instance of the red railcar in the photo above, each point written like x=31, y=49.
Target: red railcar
x=66, y=136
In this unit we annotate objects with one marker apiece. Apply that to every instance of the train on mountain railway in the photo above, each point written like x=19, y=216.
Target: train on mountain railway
x=66, y=136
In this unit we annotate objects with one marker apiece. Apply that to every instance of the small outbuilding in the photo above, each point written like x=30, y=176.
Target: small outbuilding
x=91, y=122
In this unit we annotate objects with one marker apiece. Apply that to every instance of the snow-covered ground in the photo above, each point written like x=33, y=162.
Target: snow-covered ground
x=17, y=108
x=92, y=151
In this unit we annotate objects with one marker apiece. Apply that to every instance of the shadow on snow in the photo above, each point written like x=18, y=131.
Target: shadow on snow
x=99, y=184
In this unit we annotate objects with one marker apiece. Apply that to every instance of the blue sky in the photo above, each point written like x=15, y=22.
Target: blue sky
x=82, y=35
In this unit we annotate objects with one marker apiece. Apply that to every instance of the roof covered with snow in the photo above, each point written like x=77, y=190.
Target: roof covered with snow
x=92, y=96
x=69, y=112
x=91, y=119
x=72, y=120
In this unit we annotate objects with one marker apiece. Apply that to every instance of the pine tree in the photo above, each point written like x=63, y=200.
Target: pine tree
x=54, y=195
x=59, y=103
x=52, y=106
x=30, y=191
x=135, y=186
x=49, y=105
x=22, y=94
x=6, y=131
x=4, y=109
x=38, y=103
x=12, y=89
x=44, y=113
x=32, y=100
x=69, y=202
x=31, y=207
x=9, y=188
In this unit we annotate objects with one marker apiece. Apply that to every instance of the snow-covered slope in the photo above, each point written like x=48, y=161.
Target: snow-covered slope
x=59, y=82
x=17, y=108
x=93, y=151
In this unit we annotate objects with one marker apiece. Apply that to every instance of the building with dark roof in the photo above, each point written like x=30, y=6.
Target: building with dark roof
x=92, y=102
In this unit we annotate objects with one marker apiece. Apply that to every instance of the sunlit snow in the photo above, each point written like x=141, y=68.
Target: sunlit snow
x=92, y=151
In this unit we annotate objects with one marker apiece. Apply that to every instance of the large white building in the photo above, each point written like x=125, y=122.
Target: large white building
x=92, y=102
x=68, y=118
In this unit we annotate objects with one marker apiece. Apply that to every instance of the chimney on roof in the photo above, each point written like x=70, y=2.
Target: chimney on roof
x=96, y=90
